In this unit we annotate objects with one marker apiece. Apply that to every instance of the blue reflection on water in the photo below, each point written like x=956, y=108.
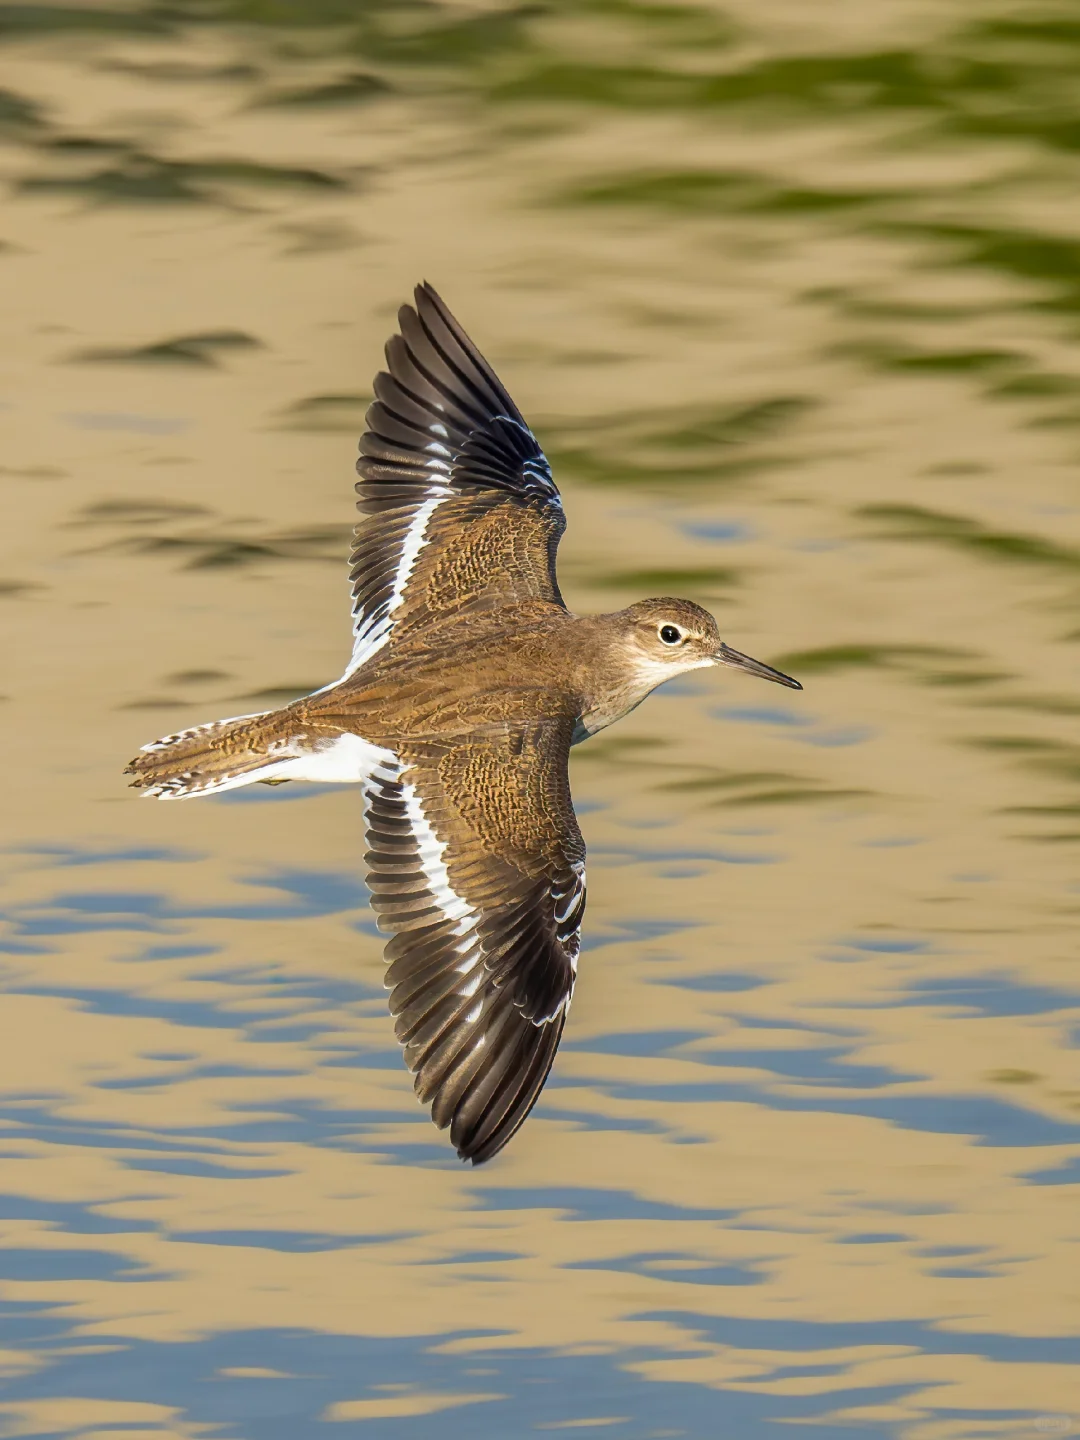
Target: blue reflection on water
x=872, y=1237
x=728, y=982
x=33, y=1118
x=811, y=1066
x=30, y=1265
x=68, y=855
x=798, y=722
x=636, y=1043
x=203, y=1169
x=655, y=859
x=961, y=1272
x=289, y=1242
x=997, y=995
x=1067, y=1174
x=198, y=1072
x=261, y=1022
x=322, y=892
x=595, y=1121
x=475, y=1257
x=198, y=1013
x=326, y=989
x=838, y=737
x=590, y=1204
x=531, y=1388
x=313, y=892
x=70, y=1216
x=687, y=1271
x=988, y=1121
x=255, y=1007
x=762, y=715
x=885, y=946
x=289, y=1121
x=948, y=1252
x=176, y=952
x=204, y=1380
x=269, y=795
x=748, y=1333
x=615, y=932
x=722, y=532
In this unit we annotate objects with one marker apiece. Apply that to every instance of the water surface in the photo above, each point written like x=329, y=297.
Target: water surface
x=790, y=295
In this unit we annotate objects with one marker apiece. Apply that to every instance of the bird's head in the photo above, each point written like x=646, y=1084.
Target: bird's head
x=668, y=637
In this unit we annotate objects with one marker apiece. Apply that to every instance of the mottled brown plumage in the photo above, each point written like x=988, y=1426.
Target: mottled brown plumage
x=468, y=684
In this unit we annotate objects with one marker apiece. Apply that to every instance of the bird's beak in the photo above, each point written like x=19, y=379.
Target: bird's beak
x=726, y=656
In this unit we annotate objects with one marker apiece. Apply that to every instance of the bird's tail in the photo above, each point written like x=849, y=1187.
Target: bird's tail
x=211, y=758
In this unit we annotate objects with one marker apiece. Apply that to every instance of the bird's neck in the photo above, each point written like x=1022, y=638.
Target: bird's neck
x=610, y=681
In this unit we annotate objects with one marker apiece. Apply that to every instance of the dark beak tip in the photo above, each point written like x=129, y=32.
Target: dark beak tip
x=727, y=656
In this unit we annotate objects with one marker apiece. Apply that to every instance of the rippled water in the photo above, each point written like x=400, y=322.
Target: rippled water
x=791, y=296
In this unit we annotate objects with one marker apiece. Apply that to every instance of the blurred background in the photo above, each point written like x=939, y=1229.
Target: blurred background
x=791, y=294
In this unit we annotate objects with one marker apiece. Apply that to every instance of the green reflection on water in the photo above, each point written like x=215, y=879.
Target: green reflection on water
x=191, y=350
x=913, y=522
x=143, y=178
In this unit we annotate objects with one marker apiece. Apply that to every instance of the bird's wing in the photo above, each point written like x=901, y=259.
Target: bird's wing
x=459, y=504
x=476, y=865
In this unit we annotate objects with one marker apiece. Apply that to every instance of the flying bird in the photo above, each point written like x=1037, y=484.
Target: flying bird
x=468, y=683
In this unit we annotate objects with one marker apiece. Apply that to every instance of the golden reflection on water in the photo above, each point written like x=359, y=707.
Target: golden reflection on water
x=800, y=349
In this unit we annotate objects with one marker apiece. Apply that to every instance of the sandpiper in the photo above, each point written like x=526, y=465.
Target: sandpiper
x=469, y=681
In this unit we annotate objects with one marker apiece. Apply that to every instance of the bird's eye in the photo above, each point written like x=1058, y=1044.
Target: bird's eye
x=670, y=634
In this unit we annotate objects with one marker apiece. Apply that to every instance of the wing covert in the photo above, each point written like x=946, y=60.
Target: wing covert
x=484, y=898
x=460, y=507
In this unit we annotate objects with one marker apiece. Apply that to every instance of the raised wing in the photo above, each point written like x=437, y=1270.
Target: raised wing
x=476, y=864
x=461, y=510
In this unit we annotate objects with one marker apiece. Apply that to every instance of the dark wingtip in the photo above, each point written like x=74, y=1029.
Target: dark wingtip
x=426, y=291
x=427, y=299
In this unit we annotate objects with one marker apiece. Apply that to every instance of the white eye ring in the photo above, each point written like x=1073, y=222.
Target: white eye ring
x=670, y=634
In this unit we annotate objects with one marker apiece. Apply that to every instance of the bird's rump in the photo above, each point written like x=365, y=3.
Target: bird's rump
x=476, y=864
